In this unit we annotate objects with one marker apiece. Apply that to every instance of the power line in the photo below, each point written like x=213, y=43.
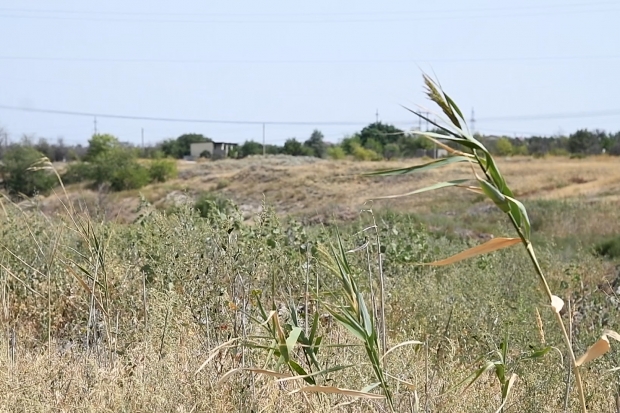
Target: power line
x=307, y=61
x=565, y=115
x=321, y=14
x=437, y=15
x=185, y=120
x=548, y=116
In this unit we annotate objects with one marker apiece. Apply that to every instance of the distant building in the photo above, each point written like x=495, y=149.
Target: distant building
x=221, y=149
x=196, y=149
x=216, y=150
x=431, y=153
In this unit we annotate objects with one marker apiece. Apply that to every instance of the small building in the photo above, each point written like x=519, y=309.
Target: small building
x=431, y=153
x=216, y=150
x=222, y=149
x=437, y=153
x=197, y=149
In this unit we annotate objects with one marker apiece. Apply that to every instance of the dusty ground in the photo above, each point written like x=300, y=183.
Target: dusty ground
x=320, y=190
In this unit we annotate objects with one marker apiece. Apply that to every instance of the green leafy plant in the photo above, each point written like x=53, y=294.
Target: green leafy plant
x=161, y=170
x=336, y=152
x=356, y=318
x=503, y=367
x=17, y=176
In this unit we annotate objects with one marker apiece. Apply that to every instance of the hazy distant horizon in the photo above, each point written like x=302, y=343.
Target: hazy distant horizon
x=539, y=68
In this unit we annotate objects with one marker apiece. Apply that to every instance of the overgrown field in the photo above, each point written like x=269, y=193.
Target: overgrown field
x=173, y=312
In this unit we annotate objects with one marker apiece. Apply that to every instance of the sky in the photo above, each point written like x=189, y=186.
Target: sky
x=524, y=68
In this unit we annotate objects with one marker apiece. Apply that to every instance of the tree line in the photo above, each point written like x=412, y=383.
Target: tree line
x=106, y=162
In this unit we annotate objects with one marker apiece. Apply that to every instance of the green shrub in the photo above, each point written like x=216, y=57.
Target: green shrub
x=210, y=205
x=362, y=154
x=161, y=170
x=336, y=152
x=16, y=176
x=131, y=175
x=222, y=183
x=77, y=172
x=559, y=152
x=504, y=147
x=120, y=169
x=609, y=248
x=391, y=150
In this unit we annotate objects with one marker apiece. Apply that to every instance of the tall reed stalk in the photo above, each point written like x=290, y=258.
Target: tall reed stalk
x=489, y=183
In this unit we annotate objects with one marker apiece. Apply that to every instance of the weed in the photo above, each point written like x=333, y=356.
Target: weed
x=609, y=248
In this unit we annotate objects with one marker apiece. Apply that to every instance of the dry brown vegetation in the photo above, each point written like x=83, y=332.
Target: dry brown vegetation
x=171, y=289
x=320, y=190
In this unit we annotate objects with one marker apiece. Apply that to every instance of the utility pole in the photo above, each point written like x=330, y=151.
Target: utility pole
x=142, y=134
x=4, y=139
x=377, y=116
x=473, y=121
x=95, y=122
x=264, y=151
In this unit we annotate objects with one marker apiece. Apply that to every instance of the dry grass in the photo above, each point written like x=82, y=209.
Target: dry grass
x=149, y=363
x=319, y=189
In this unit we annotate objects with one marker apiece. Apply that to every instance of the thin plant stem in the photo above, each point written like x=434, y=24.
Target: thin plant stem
x=381, y=286
x=163, y=334
x=530, y=251
x=373, y=299
x=570, y=332
x=307, y=290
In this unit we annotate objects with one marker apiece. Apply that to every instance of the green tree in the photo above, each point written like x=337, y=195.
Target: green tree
x=60, y=151
x=362, y=154
x=349, y=143
x=409, y=145
x=109, y=162
x=381, y=133
x=180, y=147
x=391, y=150
x=585, y=142
x=317, y=144
x=254, y=148
x=614, y=147
x=100, y=144
x=250, y=148
x=45, y=148
x=504, y=147
x=336, y=152
x=520, y=150
x=16, y=176
x=293, y=147
x=374, y=145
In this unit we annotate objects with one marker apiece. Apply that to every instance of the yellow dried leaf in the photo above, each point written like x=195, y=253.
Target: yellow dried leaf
x=215, y=352
x=612, y=334
x=474, y=189
x=269, y=372
x=595, y=351
x=228, y=374
x=557, y=303
x=336, y=390
x=259, y=371
x=489, y=246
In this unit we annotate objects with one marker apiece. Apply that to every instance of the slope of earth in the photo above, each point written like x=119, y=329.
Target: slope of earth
x=321, y=190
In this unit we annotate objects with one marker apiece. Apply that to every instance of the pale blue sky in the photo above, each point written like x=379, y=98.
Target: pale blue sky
x=320, y=61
